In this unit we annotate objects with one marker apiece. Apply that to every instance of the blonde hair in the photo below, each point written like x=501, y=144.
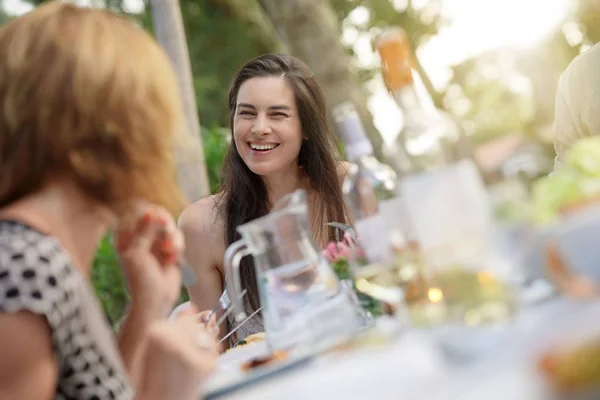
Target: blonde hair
x=87, y=96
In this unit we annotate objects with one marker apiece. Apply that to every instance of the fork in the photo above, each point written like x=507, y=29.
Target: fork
x=346, y=230
x=231, y=332
x=223, y=304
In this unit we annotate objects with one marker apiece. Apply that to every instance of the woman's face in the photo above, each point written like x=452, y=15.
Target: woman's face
x=266, y=127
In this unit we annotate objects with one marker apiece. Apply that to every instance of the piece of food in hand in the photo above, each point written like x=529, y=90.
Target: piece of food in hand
x=573, y=370
x=262, y=361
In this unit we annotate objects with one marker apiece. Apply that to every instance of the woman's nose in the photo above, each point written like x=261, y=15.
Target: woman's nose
x=261, y=125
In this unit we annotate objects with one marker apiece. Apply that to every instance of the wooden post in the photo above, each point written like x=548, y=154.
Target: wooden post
x=169, y=32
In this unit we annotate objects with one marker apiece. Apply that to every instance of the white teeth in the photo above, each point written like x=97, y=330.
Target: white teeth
x=262, y=146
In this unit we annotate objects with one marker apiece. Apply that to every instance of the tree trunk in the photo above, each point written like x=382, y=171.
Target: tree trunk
x=252, y=12
x=168, y=29
x=310, y=31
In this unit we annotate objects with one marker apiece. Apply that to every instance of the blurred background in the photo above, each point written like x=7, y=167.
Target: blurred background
x=492, y=64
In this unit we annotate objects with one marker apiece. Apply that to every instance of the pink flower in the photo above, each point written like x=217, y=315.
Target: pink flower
x=344, y=250
x=331, y=252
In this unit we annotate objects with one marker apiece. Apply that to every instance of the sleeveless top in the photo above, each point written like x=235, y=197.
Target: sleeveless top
x=253, y=325
x=36, y=275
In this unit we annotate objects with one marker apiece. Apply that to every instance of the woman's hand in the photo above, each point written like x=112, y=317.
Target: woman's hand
x=150, y=248
x=180, y=354
x=211, y=326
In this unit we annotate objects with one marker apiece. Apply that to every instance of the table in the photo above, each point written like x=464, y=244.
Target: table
x=491, y=363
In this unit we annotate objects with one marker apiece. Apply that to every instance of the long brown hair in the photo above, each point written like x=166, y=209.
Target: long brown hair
x=245, y=194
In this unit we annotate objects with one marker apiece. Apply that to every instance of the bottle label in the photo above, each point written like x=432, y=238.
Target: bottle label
x=448, y=209
x=393, y=213
x=374, y=238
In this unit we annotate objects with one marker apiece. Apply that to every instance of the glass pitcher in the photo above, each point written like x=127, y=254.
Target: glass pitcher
x=302, y=299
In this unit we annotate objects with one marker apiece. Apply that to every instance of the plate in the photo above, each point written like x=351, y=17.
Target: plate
x=229, y=376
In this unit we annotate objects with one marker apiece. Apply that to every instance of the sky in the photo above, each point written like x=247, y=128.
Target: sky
x=476, y=26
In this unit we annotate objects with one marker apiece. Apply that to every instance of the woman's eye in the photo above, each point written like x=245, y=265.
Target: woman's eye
x=245, y=113
x=279, y=115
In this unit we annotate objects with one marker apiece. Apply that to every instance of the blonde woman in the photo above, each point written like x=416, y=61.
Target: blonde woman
x=88, y=114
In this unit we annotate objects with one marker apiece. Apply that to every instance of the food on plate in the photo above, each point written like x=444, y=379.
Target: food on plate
x=261, y=361
x=250, y=339
x=255, y=337
x=573, y=370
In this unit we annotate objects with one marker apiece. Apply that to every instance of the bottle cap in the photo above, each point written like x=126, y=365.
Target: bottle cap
x=352, y=131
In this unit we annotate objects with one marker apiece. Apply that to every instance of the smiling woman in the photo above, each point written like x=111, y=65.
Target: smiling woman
x=266, y=128
x=280, y=143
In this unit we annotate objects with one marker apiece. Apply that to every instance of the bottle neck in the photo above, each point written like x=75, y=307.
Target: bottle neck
x=415, y=98
x=407, y=99
x=419, y=145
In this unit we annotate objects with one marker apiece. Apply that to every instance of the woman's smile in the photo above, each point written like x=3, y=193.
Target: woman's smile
x=261, y=148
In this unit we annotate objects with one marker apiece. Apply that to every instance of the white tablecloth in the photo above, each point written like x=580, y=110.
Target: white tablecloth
x=494, y=363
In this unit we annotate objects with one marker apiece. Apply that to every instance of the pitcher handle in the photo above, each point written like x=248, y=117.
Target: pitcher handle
x=231, y=262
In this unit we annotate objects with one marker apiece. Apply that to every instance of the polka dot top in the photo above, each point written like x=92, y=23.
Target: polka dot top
x=36, y=275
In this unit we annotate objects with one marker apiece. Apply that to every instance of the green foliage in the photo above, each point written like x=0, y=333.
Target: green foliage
x=108, y=281
x=216, y=142
x=218, y=46
x=110, y=285
x=419, y=23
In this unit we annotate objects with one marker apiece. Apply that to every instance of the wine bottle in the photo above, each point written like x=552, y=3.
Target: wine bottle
x=429, y=137
x=368, y=186
x=443, y=195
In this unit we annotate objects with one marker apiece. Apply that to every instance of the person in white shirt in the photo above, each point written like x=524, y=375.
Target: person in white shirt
x=577, y=108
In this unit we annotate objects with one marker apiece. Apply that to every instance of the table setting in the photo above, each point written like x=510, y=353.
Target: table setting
x=423, y=336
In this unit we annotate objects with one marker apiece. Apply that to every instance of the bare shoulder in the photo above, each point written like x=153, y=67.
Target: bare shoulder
x=201, y=217
x=343, y=170
x=204, y=232
x=27, y=357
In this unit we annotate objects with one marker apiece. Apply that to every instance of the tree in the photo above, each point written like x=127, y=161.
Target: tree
x=251, y=12
x=420, y=23
x=168, y=29
x=310, y=31
x=219, y=43
x=486, y=94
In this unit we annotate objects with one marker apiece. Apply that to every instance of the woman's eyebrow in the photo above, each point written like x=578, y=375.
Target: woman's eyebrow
x=280, y=107
x=275, y=107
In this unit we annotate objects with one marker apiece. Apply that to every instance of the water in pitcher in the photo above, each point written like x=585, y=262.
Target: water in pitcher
x=303, y=303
